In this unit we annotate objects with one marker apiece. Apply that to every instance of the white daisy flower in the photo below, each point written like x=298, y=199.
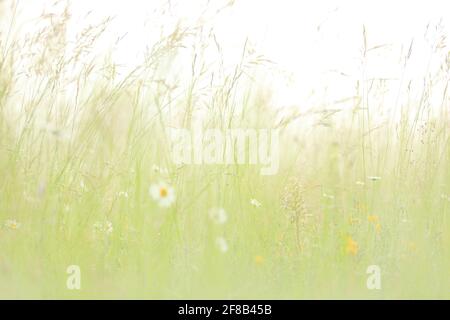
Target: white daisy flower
x=12, y=224
x=163, y=194
x=222, y=244
x=255, y=203
x=218, y=215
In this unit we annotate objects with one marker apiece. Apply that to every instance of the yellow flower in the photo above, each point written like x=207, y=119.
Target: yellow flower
x=12, y=224
x=374, y=219
x=351, y=246
x=412, y=246
x=378, y=228
x=259, y=260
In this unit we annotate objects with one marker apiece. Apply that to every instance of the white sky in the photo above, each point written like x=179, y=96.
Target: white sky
x=307, y=39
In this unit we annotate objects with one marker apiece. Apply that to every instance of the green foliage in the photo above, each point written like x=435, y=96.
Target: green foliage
x=78, y=150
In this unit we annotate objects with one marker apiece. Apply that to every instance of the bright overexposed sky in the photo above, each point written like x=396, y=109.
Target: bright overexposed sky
x=316, y=44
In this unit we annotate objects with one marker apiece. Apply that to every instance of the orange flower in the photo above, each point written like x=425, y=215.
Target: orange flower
x=351, y=246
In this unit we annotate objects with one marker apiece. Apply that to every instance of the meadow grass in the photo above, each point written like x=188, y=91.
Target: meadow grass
x=81, y=144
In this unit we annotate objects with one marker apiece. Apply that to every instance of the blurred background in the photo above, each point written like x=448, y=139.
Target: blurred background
x=357, y=89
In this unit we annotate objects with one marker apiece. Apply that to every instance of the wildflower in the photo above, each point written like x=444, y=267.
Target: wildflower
x=83, y=186
x=293, y=201
x=378, y=228
x=255, y=203
x=351, y=246
x=374, y=219
x=108, y=227
x=259, y=260
x=104, y=228
x=12, y=224
x=163, y=194
x=218, y=215
x=374, y=178
x=222, y=244
x=412, y=246
x=122, y=194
